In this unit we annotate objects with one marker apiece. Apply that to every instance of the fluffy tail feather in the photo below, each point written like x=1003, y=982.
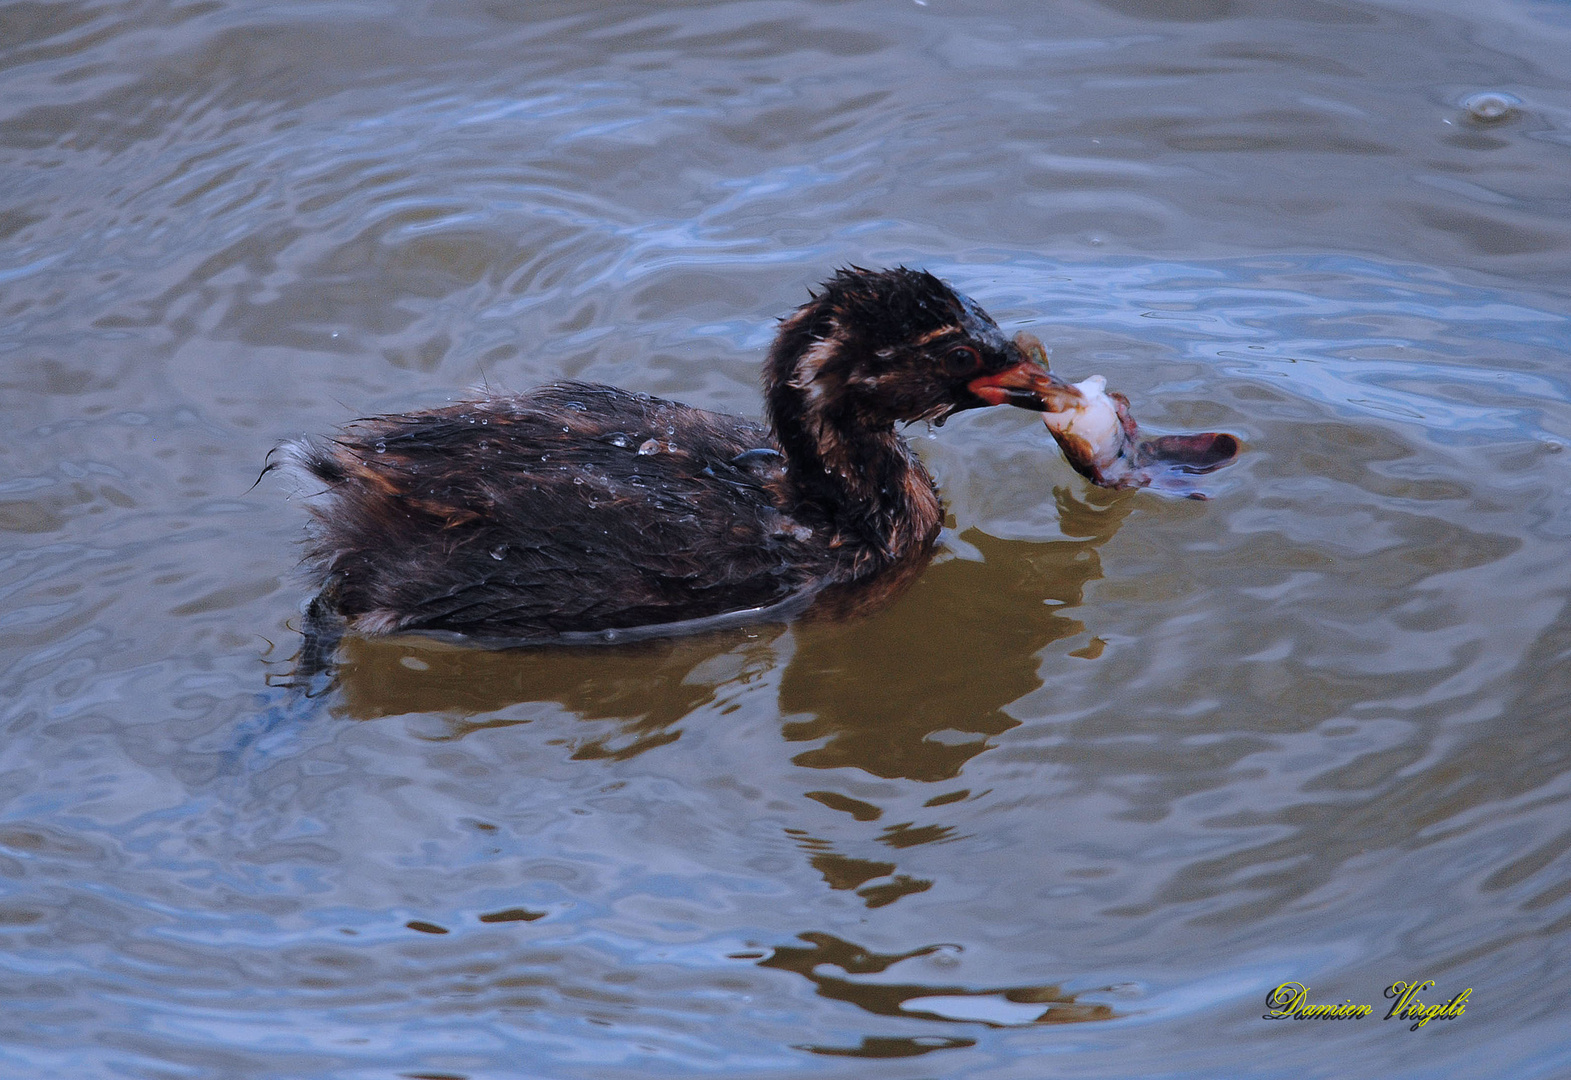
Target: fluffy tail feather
x=304, y=457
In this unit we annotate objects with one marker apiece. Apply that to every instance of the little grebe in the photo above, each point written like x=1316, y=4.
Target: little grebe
x=579, y=512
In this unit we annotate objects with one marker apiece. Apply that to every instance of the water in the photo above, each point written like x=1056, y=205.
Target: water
x=1115, y=768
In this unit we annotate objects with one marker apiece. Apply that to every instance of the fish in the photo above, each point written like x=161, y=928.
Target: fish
x=1100, y=438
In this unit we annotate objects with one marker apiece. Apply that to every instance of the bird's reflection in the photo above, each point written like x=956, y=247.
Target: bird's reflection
x=993, y=1007
x=911, y=692
x=645, y=688
x=915, y=691
x=945, y=656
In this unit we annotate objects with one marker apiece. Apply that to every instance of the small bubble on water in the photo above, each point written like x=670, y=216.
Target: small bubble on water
x=947, y=956
x=1553, y=446
x=619, y=440
x=578, y=479
x=649, y=446
x=381, y=448
x=1490, y=105
x=499, y=553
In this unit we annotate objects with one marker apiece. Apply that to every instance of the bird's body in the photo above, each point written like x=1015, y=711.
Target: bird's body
x=584, y=512
x=574, y=508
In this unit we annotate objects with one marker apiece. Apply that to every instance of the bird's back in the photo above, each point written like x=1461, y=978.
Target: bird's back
x=573, y=509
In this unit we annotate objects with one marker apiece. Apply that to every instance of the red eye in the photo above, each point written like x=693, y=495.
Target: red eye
x=962, y=360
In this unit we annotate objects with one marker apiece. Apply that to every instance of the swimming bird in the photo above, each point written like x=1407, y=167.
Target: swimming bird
x=578, y=512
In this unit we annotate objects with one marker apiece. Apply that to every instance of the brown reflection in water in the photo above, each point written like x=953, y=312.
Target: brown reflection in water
x=918, y=1000
x=946, y=657
x=875, y=1047
x=848, y=872
x=646, y=687
x=896, y=693
x=912, y=691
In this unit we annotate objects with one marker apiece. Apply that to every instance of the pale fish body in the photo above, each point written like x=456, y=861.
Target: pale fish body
x=1101, y=440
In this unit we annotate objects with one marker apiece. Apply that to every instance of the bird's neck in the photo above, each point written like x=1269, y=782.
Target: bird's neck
x=861, y=473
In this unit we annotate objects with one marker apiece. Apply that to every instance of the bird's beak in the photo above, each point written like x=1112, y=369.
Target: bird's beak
x=1028, y=384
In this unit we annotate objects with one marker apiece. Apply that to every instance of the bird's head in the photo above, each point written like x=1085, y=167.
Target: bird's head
x=877, y=347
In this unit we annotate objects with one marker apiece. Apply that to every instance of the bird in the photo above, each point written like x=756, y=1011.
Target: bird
x=580, y=513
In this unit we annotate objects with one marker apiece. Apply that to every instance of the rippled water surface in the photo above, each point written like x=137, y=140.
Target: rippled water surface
x=1113, y=769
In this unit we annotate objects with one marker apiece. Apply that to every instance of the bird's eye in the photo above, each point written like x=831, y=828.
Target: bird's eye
x=962, y=360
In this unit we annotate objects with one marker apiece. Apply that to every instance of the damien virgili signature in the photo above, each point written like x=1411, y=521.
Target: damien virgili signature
x=1291, y=1001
